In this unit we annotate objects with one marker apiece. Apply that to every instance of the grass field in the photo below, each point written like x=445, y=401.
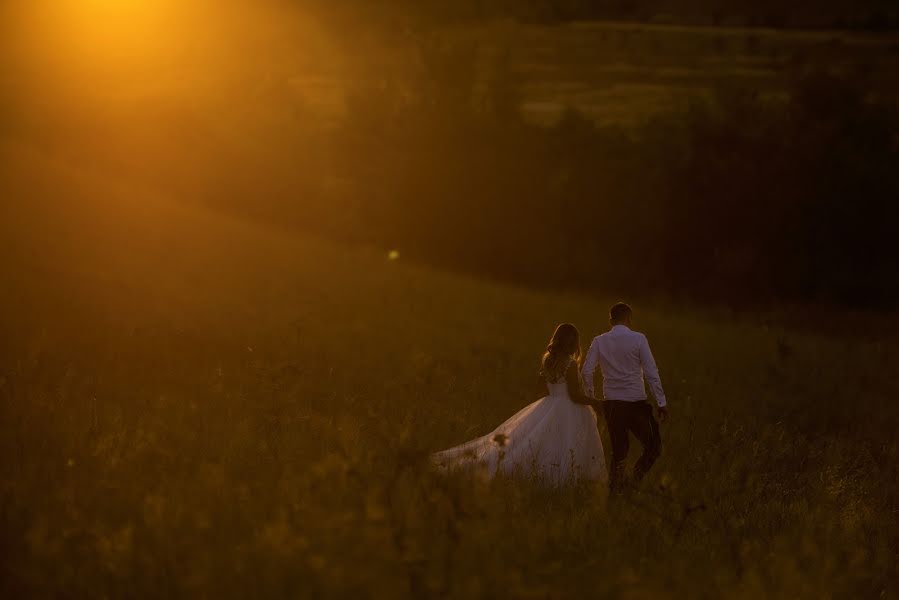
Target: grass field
x=196, y=406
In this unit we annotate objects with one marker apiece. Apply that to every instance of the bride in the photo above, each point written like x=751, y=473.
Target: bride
x=554, y=439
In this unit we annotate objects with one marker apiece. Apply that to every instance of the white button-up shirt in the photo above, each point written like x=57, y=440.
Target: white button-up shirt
x=625, y=359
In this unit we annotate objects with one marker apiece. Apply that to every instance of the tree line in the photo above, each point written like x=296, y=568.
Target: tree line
x=870, y=15
x=740, y=198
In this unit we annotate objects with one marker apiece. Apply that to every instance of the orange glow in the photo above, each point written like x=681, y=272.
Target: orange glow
x=132, y=80
x=98, y=37
x=155, y=43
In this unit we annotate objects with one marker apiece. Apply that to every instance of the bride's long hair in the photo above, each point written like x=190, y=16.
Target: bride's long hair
x=565, y=344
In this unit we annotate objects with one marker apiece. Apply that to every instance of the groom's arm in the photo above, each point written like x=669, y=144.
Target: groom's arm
x=590, y=364
x=651, y=372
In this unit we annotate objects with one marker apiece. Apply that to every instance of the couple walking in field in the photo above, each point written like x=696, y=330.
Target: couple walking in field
x=556, y=439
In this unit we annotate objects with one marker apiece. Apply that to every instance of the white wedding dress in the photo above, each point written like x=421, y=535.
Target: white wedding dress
x=552, y=440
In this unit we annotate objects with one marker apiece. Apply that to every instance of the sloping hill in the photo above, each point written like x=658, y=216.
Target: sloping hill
x=194, y=405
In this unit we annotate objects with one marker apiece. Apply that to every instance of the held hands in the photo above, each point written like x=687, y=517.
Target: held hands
x=590, y=401
x=593, y=403
x=663, y=414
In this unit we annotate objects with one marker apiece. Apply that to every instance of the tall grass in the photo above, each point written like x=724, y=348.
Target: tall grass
x=194, y=406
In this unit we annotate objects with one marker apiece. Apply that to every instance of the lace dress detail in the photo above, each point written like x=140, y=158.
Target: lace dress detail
x=556, y=373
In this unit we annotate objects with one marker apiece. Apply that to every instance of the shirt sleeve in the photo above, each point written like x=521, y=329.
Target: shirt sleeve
x=651, y=372
x=590, y=364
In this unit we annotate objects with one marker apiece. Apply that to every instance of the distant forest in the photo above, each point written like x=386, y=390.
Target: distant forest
x=873, y=15
x=737, y=200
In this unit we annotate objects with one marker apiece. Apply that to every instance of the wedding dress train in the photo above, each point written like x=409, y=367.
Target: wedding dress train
x=553, y=440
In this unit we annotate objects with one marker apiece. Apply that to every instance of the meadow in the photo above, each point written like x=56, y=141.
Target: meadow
x=196, y=405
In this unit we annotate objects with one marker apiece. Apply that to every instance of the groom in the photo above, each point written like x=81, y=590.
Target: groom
x=624, y=358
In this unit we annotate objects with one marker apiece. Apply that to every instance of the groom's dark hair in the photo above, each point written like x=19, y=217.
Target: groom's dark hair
x=619, y=312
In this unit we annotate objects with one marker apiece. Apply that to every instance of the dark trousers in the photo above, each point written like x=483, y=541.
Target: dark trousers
x=635, y=417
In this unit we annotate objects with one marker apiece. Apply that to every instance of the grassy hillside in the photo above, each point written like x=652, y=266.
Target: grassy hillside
x=192, y=405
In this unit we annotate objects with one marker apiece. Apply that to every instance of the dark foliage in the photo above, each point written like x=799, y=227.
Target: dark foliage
x=741, y=199
x=870, y=15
